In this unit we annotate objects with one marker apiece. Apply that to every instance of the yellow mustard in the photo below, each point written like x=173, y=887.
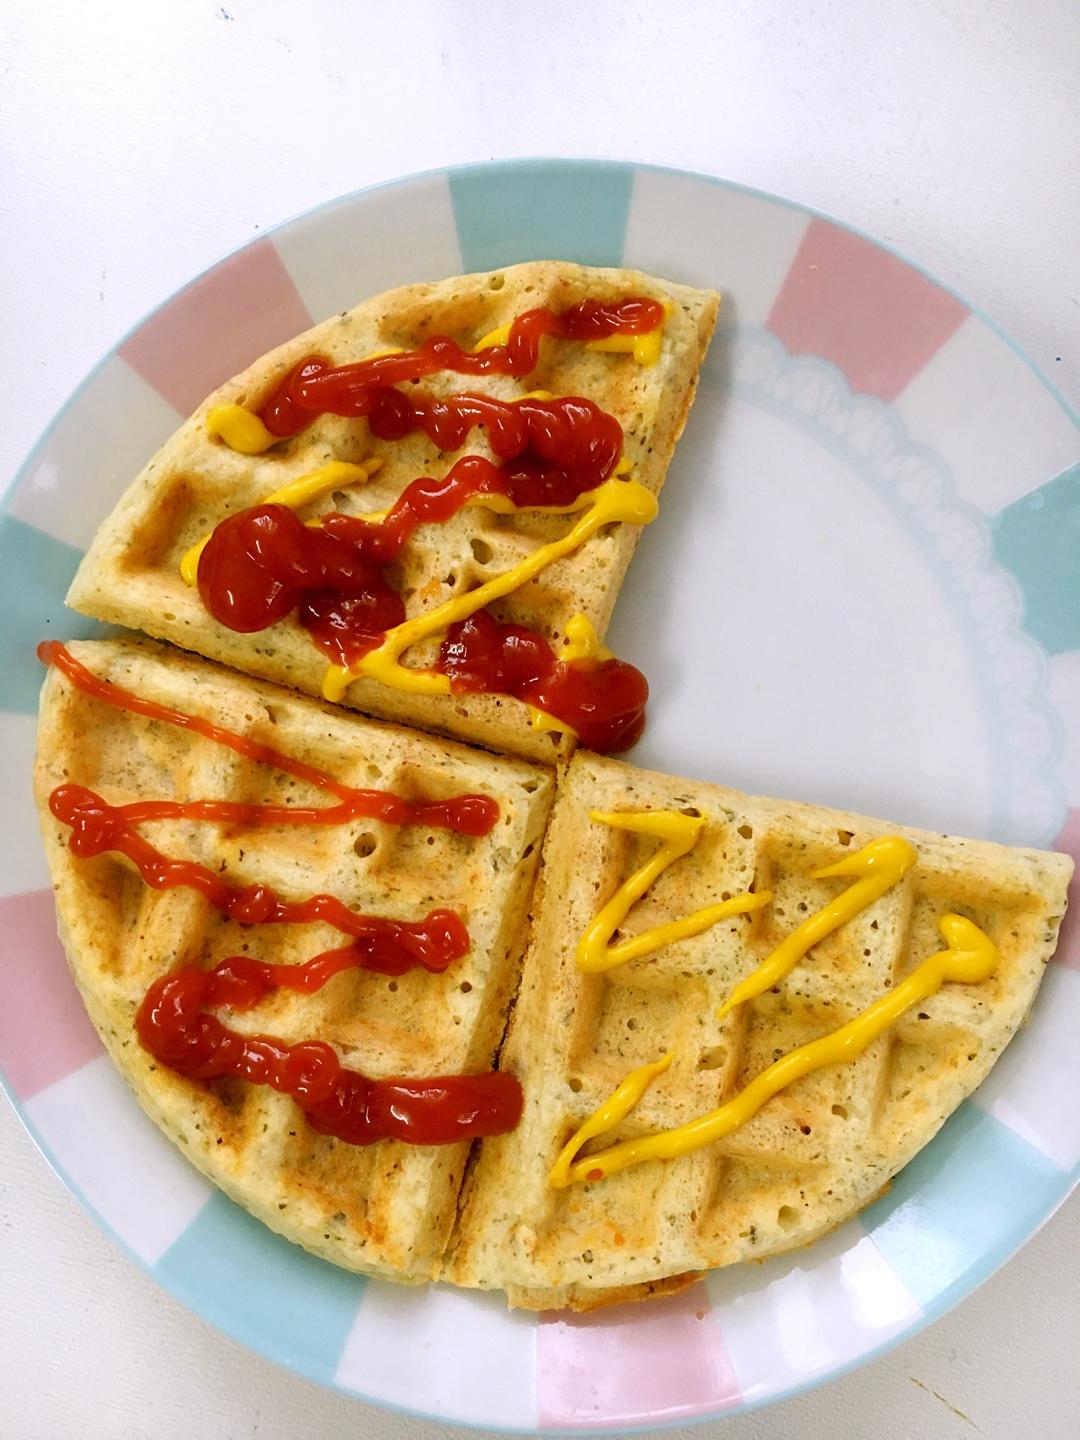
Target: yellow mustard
x=615, y=1108
x=499, y=336
x=679, y=834
x=878, y=866
x=240, y=429
x=333, y=476
x=614, y=500
x=581, y=643
x=645, y=348
x=970, y=958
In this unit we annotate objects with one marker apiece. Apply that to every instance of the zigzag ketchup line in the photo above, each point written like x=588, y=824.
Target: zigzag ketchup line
x=570, y=444
x=172, y=1025
x=262, y=564
x=314, y=387
x=98, y=827
x=564, y=444
x=171, y=1022
x=467, y=814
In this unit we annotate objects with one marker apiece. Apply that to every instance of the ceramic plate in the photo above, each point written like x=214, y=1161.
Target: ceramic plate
x=863, y=592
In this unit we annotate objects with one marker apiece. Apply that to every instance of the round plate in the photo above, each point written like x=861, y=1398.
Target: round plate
x=863, y=592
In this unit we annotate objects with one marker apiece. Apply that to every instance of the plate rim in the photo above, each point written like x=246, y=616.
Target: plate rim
x=569, y=161
x=929, y=1313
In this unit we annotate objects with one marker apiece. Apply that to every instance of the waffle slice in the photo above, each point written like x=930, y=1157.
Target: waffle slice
x=131, y=574
x=385, y=1208
x=817, y=1152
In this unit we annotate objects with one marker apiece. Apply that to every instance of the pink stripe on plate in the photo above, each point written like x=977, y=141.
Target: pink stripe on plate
x=1068, y=949
x=871, y=314
x=217, y=325
x=45, y=1033
x=659, y=1361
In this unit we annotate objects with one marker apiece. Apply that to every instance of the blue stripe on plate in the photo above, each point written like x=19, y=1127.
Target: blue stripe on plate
x=35, y=571
x=541, y=210
x=962, y=1206
x=261, y=1289
x=1038, y=538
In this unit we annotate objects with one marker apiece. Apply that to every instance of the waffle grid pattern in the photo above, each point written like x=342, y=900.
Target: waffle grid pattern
x=130, y=575
x=388, y=1207
x=819, y=1150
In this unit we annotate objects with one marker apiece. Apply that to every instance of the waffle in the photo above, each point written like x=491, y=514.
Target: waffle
x=384, y=1209
x=130, y=575
x=816, y=1153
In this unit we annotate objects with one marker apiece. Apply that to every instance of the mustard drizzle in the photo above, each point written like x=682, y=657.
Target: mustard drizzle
x=969, y=958
x=614, y=500
x=679, y=833
x=877, y=866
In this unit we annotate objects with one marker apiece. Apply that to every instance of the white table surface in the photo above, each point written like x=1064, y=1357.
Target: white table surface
x=143, y=140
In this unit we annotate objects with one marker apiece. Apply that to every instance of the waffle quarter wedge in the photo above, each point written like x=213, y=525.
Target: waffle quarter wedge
x=198, y=480
x=384, y=1208
x=817, y=1150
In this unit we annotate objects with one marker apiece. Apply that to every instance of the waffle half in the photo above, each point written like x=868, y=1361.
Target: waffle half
x=130, y=575
x=816, y=1153
x=385, y=1209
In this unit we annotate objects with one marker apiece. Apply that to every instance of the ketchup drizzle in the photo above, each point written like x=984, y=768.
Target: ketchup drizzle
x=391, y=946
x=467, y=814
x=172, y=1025
x=603, y=701
x=171, y=1022
x=315, y=387
x=264, y=564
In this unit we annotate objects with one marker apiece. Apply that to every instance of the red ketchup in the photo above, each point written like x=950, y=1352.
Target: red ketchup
x=315, y=387
x=390, y=946
x=172, y=1024
x=263, y=564
x=467, y=814
x=603, y=701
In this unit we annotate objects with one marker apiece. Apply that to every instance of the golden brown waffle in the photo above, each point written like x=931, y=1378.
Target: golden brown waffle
x=131, y=577
x=817, y=1152
x=386, y=1208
